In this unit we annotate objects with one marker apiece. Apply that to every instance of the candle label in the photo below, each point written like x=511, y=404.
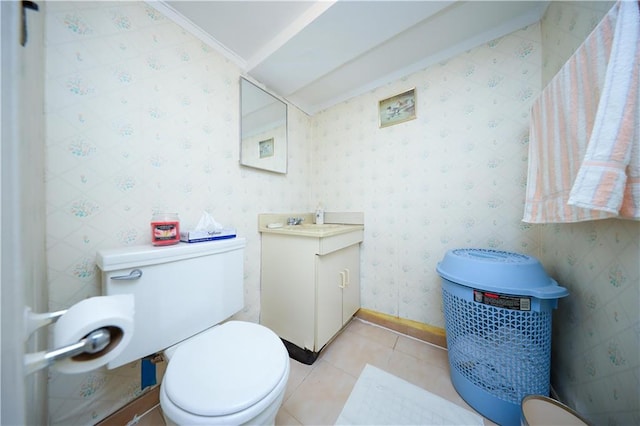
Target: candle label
x=165, y=232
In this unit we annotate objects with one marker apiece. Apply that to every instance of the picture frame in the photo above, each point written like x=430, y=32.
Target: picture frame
x=397, y=108
x=266, y=148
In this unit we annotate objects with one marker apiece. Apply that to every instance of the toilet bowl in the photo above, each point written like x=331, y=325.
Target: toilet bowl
x=235, y=373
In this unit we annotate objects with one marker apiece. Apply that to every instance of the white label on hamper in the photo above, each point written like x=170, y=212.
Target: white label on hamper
x=502, y=301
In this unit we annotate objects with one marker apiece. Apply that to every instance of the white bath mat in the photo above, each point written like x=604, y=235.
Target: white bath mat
x=380, y=398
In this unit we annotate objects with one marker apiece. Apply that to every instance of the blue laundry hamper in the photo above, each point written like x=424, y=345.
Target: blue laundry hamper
x=497, y=308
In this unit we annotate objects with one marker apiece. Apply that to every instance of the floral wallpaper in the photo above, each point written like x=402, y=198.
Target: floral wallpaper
x=453, y=177
x=142, y=116
x=596, y=351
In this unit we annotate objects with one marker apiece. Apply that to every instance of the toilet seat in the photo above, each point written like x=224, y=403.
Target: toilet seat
x=229, y=370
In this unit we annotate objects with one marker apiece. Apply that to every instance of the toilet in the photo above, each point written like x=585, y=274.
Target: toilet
x=219, y=372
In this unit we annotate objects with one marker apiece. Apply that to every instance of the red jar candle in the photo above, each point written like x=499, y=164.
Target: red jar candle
x=165, y=229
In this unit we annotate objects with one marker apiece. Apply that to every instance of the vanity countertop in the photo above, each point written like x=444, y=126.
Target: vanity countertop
x=338, y=223
x=313, y=230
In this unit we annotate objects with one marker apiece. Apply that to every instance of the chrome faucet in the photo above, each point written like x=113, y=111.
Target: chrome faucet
x=294, y=221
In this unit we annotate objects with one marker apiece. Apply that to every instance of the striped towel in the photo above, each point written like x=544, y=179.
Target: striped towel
x=584, y=136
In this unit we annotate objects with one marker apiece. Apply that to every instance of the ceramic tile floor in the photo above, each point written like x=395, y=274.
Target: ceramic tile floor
x=316, y=393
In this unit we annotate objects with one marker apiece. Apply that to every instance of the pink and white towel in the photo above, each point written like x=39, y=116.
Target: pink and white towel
x=584, y=153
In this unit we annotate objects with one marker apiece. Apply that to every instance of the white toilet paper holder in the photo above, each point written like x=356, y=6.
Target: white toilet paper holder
x=35, y=321
x=94, y=342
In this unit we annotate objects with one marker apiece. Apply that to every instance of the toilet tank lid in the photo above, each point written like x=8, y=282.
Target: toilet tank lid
x=143, y=255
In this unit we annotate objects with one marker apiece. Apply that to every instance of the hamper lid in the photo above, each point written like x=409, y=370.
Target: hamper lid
x=499, y=271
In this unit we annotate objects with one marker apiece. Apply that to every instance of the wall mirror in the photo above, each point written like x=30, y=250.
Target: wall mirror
x=263, y=129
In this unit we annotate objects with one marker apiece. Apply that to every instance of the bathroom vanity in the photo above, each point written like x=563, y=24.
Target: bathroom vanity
x=310, y=278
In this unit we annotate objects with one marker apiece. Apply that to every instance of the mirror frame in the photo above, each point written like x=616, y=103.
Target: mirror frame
x=267, y=146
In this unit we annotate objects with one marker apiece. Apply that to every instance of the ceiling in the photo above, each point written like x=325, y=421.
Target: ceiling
x=319, y=53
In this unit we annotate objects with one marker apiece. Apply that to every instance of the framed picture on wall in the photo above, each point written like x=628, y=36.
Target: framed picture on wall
x=266, y=148
x=398, y=108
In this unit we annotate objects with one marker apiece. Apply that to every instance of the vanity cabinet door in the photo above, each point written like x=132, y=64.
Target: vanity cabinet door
x=338, y=291
x=351, y=292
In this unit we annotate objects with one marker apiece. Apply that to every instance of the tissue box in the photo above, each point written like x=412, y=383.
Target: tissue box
x=198, y=236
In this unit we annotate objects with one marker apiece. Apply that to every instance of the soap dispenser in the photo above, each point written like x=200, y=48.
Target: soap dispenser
x=319, y=215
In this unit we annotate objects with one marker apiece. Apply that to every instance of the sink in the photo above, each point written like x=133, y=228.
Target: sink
x=314, y=229
x=276, y=223
x=320, y=226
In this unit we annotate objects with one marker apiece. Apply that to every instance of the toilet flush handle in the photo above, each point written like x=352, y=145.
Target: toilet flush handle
x=133, y=275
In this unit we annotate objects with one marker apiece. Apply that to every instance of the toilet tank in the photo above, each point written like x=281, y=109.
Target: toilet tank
x=178, y=290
